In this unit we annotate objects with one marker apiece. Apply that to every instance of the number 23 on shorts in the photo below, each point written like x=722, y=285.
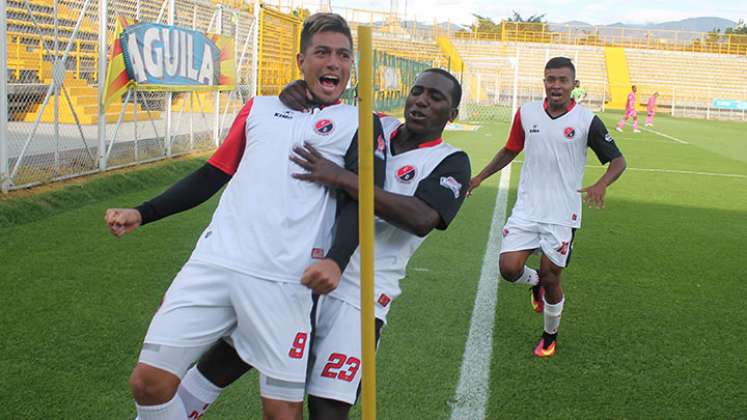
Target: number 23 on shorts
x=334, y=367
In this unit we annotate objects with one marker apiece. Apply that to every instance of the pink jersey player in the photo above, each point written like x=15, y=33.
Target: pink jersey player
x=651, y=109
x=629, y=112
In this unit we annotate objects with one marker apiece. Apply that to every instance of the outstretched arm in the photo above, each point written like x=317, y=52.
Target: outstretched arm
x=189, y=192
x=595, y=193
x=501, y=159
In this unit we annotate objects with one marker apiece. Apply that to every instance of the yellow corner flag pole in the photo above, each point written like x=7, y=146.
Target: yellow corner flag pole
x=365, y=216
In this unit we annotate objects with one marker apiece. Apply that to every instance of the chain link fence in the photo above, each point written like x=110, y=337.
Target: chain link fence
x=54, y=62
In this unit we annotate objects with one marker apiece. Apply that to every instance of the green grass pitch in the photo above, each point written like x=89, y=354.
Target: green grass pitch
x=654, y=324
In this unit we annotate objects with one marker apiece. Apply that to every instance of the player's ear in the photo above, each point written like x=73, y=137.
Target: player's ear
x=453, y=114
x=299, y=61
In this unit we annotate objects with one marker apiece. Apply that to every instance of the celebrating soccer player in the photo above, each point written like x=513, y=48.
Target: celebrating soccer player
x=554, y=135
x=253, y=270
x=424, y=189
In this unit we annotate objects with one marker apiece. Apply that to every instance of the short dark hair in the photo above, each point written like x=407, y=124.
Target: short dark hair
x=456, y=90
x=559, y=63
x=324, y=22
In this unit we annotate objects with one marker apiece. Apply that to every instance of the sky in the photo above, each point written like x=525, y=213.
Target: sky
x=597, y=12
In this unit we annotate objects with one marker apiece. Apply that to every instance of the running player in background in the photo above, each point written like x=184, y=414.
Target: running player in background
x=578, y=93
x=630, y=111
x=554, y=135
x=424, y=189
x=253, y=270
x=651, y=109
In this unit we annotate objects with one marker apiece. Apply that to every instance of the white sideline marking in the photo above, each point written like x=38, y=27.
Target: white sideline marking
x=667, y=136
x=666, y=171
x=474, y=388
x=675, y=171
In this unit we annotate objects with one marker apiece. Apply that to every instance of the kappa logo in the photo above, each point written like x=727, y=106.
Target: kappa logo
x=505, y=232
x=285, y=114
x=534, y=129
x=406, y=173
x=563, y=250
x=452, y=184
x=384, y=300
x=324, y=127
x=569, y=133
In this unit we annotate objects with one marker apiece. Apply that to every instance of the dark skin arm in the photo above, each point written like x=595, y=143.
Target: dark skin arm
x=408, y=213
x=501, y=159
x=595, y=193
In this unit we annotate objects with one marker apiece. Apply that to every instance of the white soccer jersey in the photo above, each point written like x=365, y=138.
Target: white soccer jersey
x=267, y=223
x=437, y=173
x=554, y=159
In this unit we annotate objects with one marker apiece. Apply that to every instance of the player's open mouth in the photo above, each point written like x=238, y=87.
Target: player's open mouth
x=416, y=115
x=556, y=95
x=329, y=82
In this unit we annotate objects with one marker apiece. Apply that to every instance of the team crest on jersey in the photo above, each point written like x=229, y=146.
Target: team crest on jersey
x=452, y=184
x=380, y=147
x=324, y=127
x=406, y=173
x=569, y=133
x=384, y=300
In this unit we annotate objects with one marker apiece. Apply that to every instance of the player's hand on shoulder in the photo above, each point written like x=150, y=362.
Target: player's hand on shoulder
x=594, y=195
x=322, y=277
x=297, y=96
x=318, y=168
x=122, y=221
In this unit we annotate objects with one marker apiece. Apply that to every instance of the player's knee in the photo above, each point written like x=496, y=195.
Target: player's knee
x=324, y=409
x=152, y=386
x=510, y=272
x=549, y=278
x=281, y=410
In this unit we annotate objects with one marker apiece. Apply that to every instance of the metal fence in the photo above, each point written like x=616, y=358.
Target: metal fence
x=52, y=124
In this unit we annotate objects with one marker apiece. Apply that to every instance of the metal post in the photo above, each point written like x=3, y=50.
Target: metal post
x=255, y=50
x=170, y=95
x=673, y=101
x=56, y=81
x=102, y=60
x=4, y=176
x=216, y=124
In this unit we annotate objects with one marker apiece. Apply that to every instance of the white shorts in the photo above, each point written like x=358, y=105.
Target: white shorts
x=555, y=241
x=269, y=322
x=335, y=363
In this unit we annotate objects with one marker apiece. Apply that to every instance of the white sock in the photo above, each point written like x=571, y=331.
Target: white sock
x=552, y=316
x=529, y=276
x=172, y=410
x=197, y=393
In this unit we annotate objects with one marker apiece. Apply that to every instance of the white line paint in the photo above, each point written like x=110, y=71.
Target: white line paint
x=669, y=171
x=666, y=136
x=675, y=171
x=474, y=380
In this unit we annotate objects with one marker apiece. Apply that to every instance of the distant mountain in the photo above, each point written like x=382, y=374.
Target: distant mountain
x=699, y=24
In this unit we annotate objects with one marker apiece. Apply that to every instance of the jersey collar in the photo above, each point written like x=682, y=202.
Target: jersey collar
x=546, y=105
x=337, y=102
x=423, y=145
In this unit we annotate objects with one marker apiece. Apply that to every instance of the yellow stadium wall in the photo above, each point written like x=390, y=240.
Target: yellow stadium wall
x=618, y=79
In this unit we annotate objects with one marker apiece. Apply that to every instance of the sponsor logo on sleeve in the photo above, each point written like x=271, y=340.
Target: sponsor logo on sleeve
x=317, y=253
x=324, y=127
x=380, y=147
x=608, y=138
x=452, y=184
x=384, y=299
x=569, y=133
x=406, y=174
